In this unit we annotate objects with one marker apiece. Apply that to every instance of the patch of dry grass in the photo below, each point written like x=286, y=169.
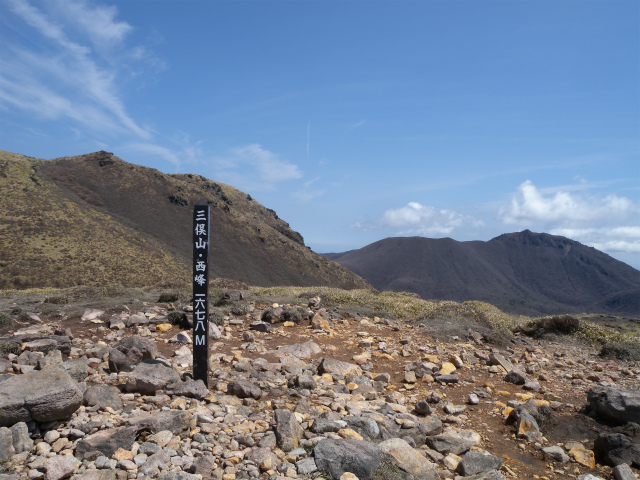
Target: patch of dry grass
x=401, y=305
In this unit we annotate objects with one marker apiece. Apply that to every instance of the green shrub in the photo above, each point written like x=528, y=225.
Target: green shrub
x=5, y=319
x=177, y=318
x=9, y=347
x=544, y=416
x=290, y=314
x=216, y=316
x=241, y=307
x=57, y=299
x=168, y=297
x=556, y=324
x=621, y=351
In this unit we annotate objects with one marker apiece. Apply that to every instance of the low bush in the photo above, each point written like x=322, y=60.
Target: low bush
x=557, y=324
x=621, y=350
x=177, y=318
x=57, y=299
x=168, y=297
x=295, y=315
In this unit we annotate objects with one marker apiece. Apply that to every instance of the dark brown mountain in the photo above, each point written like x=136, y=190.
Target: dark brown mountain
x=524, y=272
x=95, y=219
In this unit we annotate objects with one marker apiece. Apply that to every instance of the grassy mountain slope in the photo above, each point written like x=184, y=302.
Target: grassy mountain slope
x=95, y=219
x=525, y=272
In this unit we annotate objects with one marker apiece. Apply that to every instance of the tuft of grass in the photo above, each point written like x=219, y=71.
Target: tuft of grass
x=4, y=319
x=9, y=347
x=6, y=466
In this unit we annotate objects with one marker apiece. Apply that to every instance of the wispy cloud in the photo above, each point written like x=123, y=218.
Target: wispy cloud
x=152, y=149
x=70, y=68
x=417, y=219
x=352, y=127
x=254, y=168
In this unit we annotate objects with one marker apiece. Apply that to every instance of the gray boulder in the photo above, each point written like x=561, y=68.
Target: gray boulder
x=178, y=476
x=189, y=388
x=103, y=396
x=204, y=465
x=490, y=475
x=176, y=421
x=244, y=389
x=300, y=350
x=150, y=376
x=43, y=396
x=29, y=358
x=516, y=376
x=59, y=467
x=408, y=459
x=616, y=404
x=5, y=365
x=21, y=440
x=288, y=430
x=623, y=472
x=6, y=444
x=134, y=349
x=76, y=369
x=52, y=357
x=305, y=381
x=105, y=474
x=450, y=444
x=367, y=427
x=616, y=448
x=152, y=466
x=107, y=441
x=556, y=454
x=497, y=359
x=337, y=456
x=43, y=342
x=475, y=462
x=337, y=367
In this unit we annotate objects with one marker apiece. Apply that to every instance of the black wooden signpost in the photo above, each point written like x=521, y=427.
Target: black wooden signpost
x=200, y=291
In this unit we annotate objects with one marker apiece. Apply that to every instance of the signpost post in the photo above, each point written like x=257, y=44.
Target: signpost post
x=200, y=292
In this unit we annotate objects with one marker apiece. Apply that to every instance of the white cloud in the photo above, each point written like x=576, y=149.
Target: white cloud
x=417, y=219
x=61, y=75
x=620, y=239
x=531, y=206
x=608, y=223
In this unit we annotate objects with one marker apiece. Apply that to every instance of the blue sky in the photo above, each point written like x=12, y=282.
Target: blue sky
x=354, y=120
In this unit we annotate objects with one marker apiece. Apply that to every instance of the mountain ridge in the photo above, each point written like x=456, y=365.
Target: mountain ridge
x=94, y=218
x=522, y=272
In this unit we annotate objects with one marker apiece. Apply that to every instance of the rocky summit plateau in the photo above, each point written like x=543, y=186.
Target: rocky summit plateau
x=309, y=384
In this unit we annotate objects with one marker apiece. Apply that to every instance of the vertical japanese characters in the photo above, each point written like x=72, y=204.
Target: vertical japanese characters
x=200, y=292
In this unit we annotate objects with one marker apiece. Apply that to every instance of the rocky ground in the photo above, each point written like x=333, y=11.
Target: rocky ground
x=106, y=393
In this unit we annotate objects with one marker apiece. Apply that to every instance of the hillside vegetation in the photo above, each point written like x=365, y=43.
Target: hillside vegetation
x=97, y=220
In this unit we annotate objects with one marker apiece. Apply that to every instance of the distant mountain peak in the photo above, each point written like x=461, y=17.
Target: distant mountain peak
x=522, y=272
